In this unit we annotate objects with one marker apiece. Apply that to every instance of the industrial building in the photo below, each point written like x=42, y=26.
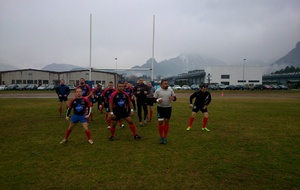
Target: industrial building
x=42, y=77
x=228, y=75
x=234, y=75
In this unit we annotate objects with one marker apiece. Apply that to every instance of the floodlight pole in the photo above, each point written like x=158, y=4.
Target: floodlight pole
x=90, y=71
x=244, y=73
x=152, y=75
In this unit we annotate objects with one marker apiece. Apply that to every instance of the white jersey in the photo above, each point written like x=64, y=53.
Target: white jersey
x=164, y=94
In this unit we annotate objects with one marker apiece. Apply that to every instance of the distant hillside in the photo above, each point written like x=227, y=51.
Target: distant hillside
x=6, y=67
x=174, y=66
x=181, y=64
x=290, y=59
x=61, y=67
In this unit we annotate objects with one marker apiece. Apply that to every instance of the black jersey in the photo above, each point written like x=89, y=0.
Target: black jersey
x=141, y=88
x=97, y=92
x=80, y=106
x=202, y=98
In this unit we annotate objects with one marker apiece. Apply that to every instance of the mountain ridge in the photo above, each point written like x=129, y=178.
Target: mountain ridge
x=181, y=64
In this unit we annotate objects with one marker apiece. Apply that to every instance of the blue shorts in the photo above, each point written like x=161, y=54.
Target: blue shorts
x=78, y=118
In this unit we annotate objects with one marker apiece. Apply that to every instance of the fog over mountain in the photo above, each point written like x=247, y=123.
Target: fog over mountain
x=7, y=67
x=61, y=67
x=182, y=64
x=292, y=58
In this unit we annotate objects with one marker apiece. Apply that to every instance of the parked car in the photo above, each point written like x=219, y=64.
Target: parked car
x=3, y=87
x=283, y=87
x=195, y=87
x=71, y=86
x=31, y=87
x=50, y=87
x=42, y=87
x=221, y=86
x=275, y=87
x=267, y=87
x=176, y=87
x=230, y=87
x=212, y=87
x=185, y=87
x=22, y=86
x=239, y=87
x=12, y=87
x=258, y=87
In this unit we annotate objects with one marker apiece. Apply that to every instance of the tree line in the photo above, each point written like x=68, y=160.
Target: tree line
x=287, y=69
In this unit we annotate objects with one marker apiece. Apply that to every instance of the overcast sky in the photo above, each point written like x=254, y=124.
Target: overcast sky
x=35, y=33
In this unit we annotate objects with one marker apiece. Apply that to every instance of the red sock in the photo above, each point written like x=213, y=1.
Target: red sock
x=133, y=129
x=60, y=110
x=205, y=119
x=166, y=130
x=69, y=131
x=151, y=113
x=191, y=121
x=160, y=130
x=107, y=119
x=120, y=121
x=88, y=134
x=112, y=131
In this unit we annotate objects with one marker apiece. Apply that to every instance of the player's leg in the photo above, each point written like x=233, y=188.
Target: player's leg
x=66, y=102
x=151, y=112
x=107, y=115
x=113, y=123
x=145, y=112
x=87, y=132
x=60, y=106
x=166, y=125
x=132, y=127
x=205, y=120
x=68, y=132
x=139, y=110
x=160, y=127
x=191, y=120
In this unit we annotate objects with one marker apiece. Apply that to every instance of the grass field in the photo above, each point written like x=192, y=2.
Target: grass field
x=254, y=143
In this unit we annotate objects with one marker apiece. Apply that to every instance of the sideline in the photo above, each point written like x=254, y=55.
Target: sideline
x=25, y=95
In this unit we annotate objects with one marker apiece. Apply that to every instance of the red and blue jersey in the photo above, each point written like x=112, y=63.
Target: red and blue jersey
x=86, y=89
x=106, y=94
x=120, y=100
x=97, y=92
x=80, y=106
x=128, y=91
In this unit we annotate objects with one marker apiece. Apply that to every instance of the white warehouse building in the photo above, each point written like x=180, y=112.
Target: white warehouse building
x=42, y=77
x=234, y=75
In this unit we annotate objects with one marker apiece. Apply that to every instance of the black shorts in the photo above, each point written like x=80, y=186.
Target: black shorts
x=197, y=108
x=164, y=113
x=150, y=101
x=106, y=106
x=62, y=98
x=120, y=114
